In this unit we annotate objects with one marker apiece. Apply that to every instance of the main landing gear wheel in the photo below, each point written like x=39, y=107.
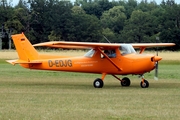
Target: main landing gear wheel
x=125, y=81
x=98, y=83
x=145, y=84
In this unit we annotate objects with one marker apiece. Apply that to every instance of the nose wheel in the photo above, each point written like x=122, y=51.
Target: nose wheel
x=144, y=84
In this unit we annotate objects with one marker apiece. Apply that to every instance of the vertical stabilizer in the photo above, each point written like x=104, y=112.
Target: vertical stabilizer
x=24, y=48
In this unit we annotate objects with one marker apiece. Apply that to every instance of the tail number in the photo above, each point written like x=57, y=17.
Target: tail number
x=60, y=63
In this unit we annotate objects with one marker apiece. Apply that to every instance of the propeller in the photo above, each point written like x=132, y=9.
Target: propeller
x=156, y=72
x=156, y=66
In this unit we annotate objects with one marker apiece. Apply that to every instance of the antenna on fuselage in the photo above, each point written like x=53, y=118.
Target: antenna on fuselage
x=106, y=39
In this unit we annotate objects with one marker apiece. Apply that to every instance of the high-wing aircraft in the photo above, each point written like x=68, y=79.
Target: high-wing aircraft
x=102, y=58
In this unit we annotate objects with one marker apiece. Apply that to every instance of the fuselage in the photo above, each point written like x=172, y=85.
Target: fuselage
x=129, y=64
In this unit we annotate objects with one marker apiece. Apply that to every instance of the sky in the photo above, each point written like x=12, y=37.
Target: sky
x=15, y=2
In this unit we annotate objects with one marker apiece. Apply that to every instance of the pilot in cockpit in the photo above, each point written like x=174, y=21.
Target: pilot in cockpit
x=110, y=53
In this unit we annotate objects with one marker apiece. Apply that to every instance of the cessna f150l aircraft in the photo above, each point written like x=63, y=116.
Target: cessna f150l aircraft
x=102, y=58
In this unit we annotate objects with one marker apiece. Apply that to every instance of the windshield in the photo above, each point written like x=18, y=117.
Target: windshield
x=90, y=53
x=126, y=49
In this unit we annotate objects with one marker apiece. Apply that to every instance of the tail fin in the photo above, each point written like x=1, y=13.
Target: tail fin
x=24, y=48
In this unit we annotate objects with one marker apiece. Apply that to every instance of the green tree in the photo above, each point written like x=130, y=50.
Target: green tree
x=6, y=13
x=78, y=10
x=114, y=19
x=96, y=7
x=146, y=7
x=57, y=35
x=110, y=35
x=49, y=16
x=138, y=28
x=130, y=7
x=83, y=27
x=170, y=25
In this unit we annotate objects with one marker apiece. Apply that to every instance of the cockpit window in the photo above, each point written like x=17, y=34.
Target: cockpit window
x=90, y=53
x=110, y=53
x=126, y=49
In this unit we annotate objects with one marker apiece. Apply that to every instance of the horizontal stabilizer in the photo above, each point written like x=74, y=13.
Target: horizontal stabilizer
x=13, y=62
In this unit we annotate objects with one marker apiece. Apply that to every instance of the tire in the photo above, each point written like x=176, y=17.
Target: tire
x=125, y=82
x=145, y=85
x=98, y=83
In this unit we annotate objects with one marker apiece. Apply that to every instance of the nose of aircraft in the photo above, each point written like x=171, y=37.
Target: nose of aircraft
x=156, y=58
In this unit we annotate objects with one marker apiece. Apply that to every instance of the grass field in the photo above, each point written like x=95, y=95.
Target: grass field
x=46, y=95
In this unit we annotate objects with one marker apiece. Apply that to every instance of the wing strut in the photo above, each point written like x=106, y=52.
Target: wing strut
x=110, y=60
x=142, y=50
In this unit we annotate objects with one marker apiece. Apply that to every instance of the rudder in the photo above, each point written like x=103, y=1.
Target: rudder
x=24, y=48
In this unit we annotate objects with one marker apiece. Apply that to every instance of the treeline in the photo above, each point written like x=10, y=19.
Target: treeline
x=93, y=20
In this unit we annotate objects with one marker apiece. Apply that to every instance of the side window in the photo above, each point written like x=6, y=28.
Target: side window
x=90, y=53
x=110, y=53
x=123, y=50
x=126, y=49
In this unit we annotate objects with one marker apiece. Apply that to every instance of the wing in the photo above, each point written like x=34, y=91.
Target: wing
x=87, y=45
x=77, y=45
x=148, y=45
x=143, y=46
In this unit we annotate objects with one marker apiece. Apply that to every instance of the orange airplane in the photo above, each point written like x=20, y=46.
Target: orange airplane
x=102, y=58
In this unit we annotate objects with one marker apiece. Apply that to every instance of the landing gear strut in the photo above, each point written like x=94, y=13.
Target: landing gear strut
x=124, y=82
x=98, y=83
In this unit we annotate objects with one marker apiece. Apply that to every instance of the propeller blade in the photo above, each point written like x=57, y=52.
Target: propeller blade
x=156, y=72
x=156, y=67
